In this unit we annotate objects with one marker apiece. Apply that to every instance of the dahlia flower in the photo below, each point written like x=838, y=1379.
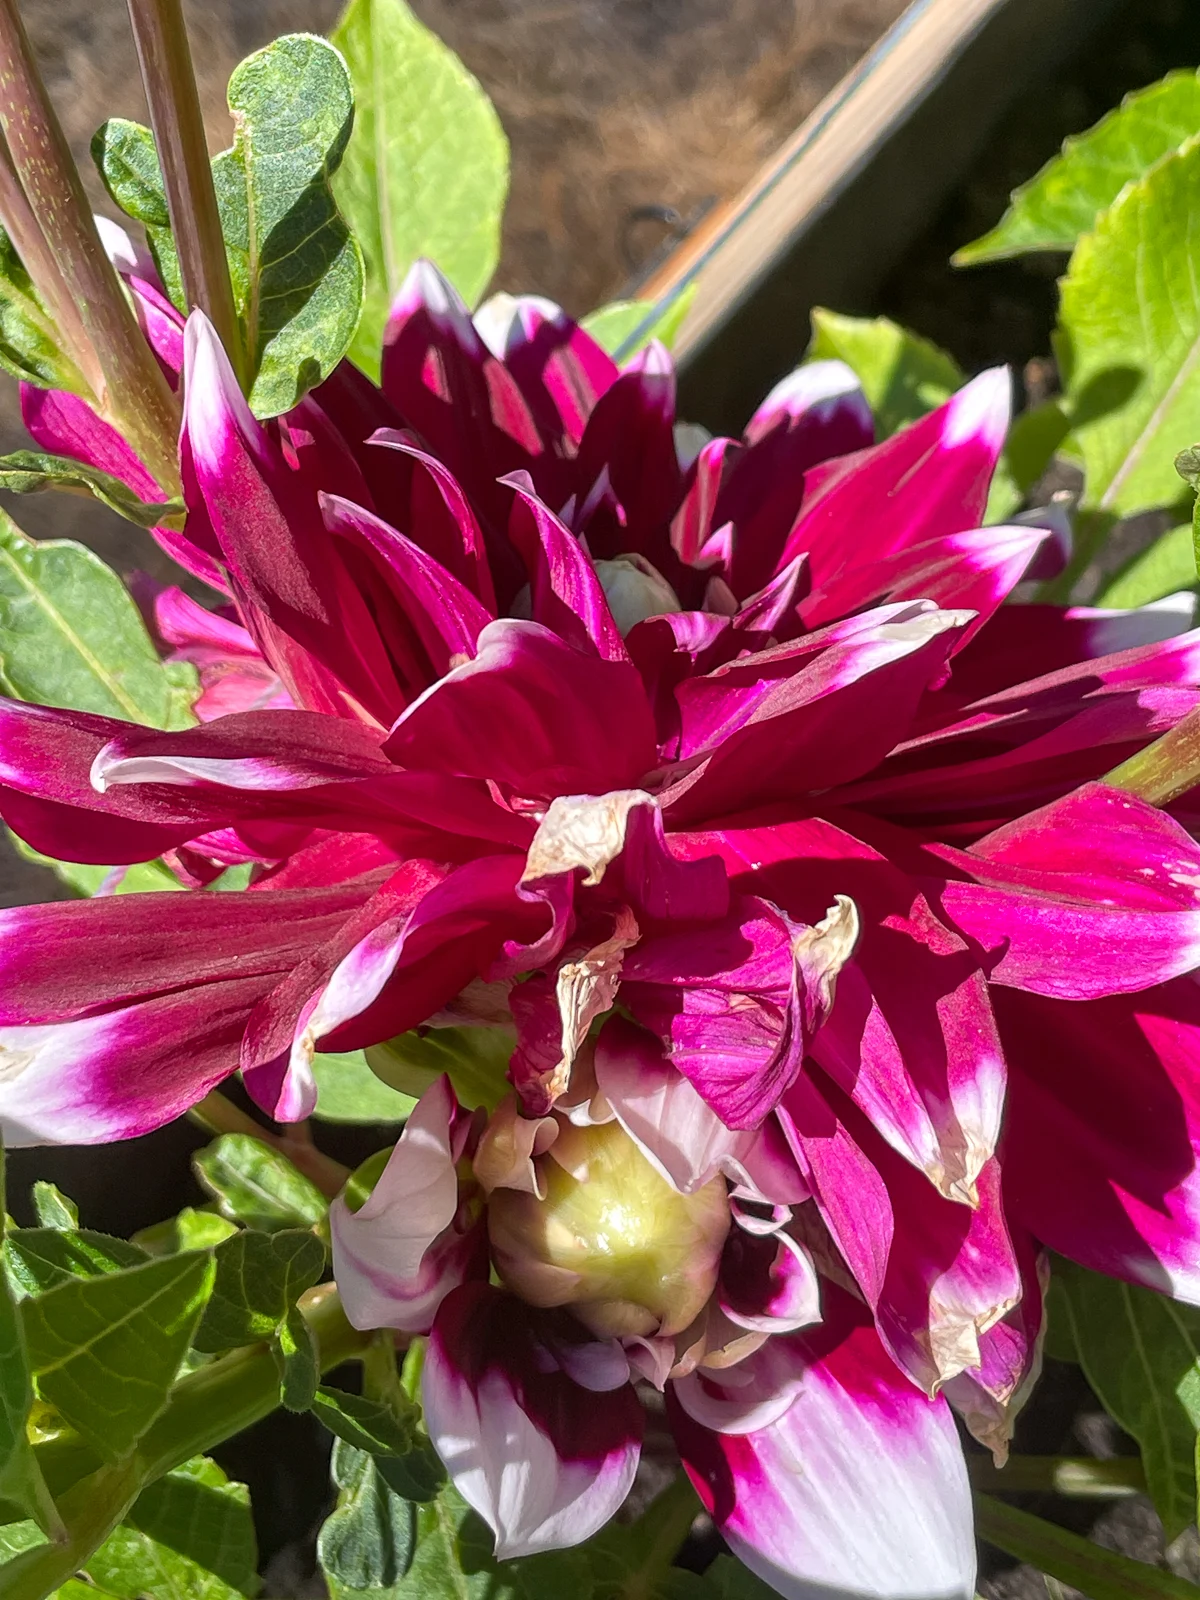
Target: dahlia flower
x=725, y=795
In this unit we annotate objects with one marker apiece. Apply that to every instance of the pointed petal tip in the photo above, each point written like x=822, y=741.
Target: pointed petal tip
x=981, y=411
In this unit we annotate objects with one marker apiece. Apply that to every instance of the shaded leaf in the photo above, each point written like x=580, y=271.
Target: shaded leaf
x=1166, y=567
x=52, y=1208
x=23, y=1492
x=85, y=880
x=403, y=1455
x=1131, y=339
x=105, y=1350
x=730, y=1580
x=254, y=1184
x=348, y=1091
x=475, y=1059
x=903, y=376
x=29, y=346
x=42, y=1258
x=190, y=1536
x=626, y=326
x=1064, y=199
x=1140, y=1352
x=31, y=471
x=259, y=1278
x=298, y=1357
x=426, y=169
x=367, y=1542
x=71, y=635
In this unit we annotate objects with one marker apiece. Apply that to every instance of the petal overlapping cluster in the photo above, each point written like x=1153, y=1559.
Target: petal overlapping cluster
x=730, y=791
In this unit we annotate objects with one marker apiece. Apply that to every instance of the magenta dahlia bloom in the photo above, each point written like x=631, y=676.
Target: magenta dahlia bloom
x=725, y=795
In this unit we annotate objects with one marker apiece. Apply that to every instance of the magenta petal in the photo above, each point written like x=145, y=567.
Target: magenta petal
x=560, y=369
x=565, y=592
x=1098, y=893
x=526, y=1446
x=534, y=714
x=859, y=1488
x=1102, y=1146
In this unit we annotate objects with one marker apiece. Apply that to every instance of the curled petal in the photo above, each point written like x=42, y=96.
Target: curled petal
x=506, y=1157
x=768, y=1283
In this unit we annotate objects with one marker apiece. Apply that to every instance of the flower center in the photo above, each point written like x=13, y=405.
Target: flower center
x=611, y=1238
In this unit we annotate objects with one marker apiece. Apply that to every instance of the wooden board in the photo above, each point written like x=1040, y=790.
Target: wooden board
x=830, y=214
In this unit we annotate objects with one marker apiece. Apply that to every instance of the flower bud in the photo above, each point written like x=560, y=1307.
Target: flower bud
x=611, y=1238
x=635, y=590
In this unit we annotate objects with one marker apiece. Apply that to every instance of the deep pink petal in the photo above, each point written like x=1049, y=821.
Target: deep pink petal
x=565, y=593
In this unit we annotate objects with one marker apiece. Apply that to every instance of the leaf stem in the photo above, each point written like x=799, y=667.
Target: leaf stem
x=165, y=56
x=219, y=1115
x=1165, y=769
x=1100, y=1573
x=669, y=1518
x=90, y=1509
x=1079, y=1476
x=132, y=392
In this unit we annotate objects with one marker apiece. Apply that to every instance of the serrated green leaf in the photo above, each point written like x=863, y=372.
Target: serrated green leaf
x=475, y=1059
x=190, y=1536
x=254, y=1184
x=426, y=169
x=106, y=1350
x=298, y=271
x=903, y=376
x=23, y=1492
x=42, y=1258
x=71, y=635
x=32, y=471
x=1140, y=1352
x=1130, y=342
x=627, y=326
x=29, y=346
x=1166, y=567
x=52, y=1208
x=260, y=1276
x=1064, y=199
x=298, y=1357
x=367, y=1541
x=348, y=1091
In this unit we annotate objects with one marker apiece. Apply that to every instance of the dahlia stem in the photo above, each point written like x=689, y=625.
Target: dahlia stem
x=1099, y=1573
x=669, y=1520
x=132, y=392
x=1078, y=1476
x=218, y=1115
x=1165, y=769
x=166, y=61
x=38, y=260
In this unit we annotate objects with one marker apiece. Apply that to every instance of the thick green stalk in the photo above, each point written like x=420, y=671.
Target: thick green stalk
x=166, y=60
x=91, y=1509
x=1099, y=1573
x=133, y=395
x=1165, y=769
x=38, y=260
x=1079, y=1476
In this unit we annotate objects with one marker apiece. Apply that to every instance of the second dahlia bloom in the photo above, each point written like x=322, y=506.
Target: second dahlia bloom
x=768, y=846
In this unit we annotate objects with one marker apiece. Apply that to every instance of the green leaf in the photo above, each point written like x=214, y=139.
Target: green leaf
x=190, y=1536
x=22, y=1489
x=193, y=1228
x=626, y=326
x=297, y=269
x=42, y=1258
x=404, y=1457
x=348, y=1091
x=475, y=1059
x=367, y=1542
x=1130, y=349
x=260, y=1276
x=106, y=1350
x=31, y=471
x=298, y=1357
x=1064, y=199
x=29, y=346
x=127, y=160
x=71, y=635
x=254, y=1184
x=1166, y=567
x=1141, y=1354
x=903, y=376
x=426, y=169
x=52, y=1208
x=85, y=880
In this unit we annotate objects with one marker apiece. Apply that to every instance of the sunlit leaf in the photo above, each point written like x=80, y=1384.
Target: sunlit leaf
x=42, y=1258
x=71, y=635
x=23, y=1492
x=626, y=326
x=426, y=171
x=29, y=345
x=1130, y=343
x=475, y=1059
x=903, y=376
x=52, y=1207
x=1064, y=199
x=31, y=471
x=105, y=1350
x=260, y=1276
x=254, y=1184
x=348, y=1091
x=1166, y=567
